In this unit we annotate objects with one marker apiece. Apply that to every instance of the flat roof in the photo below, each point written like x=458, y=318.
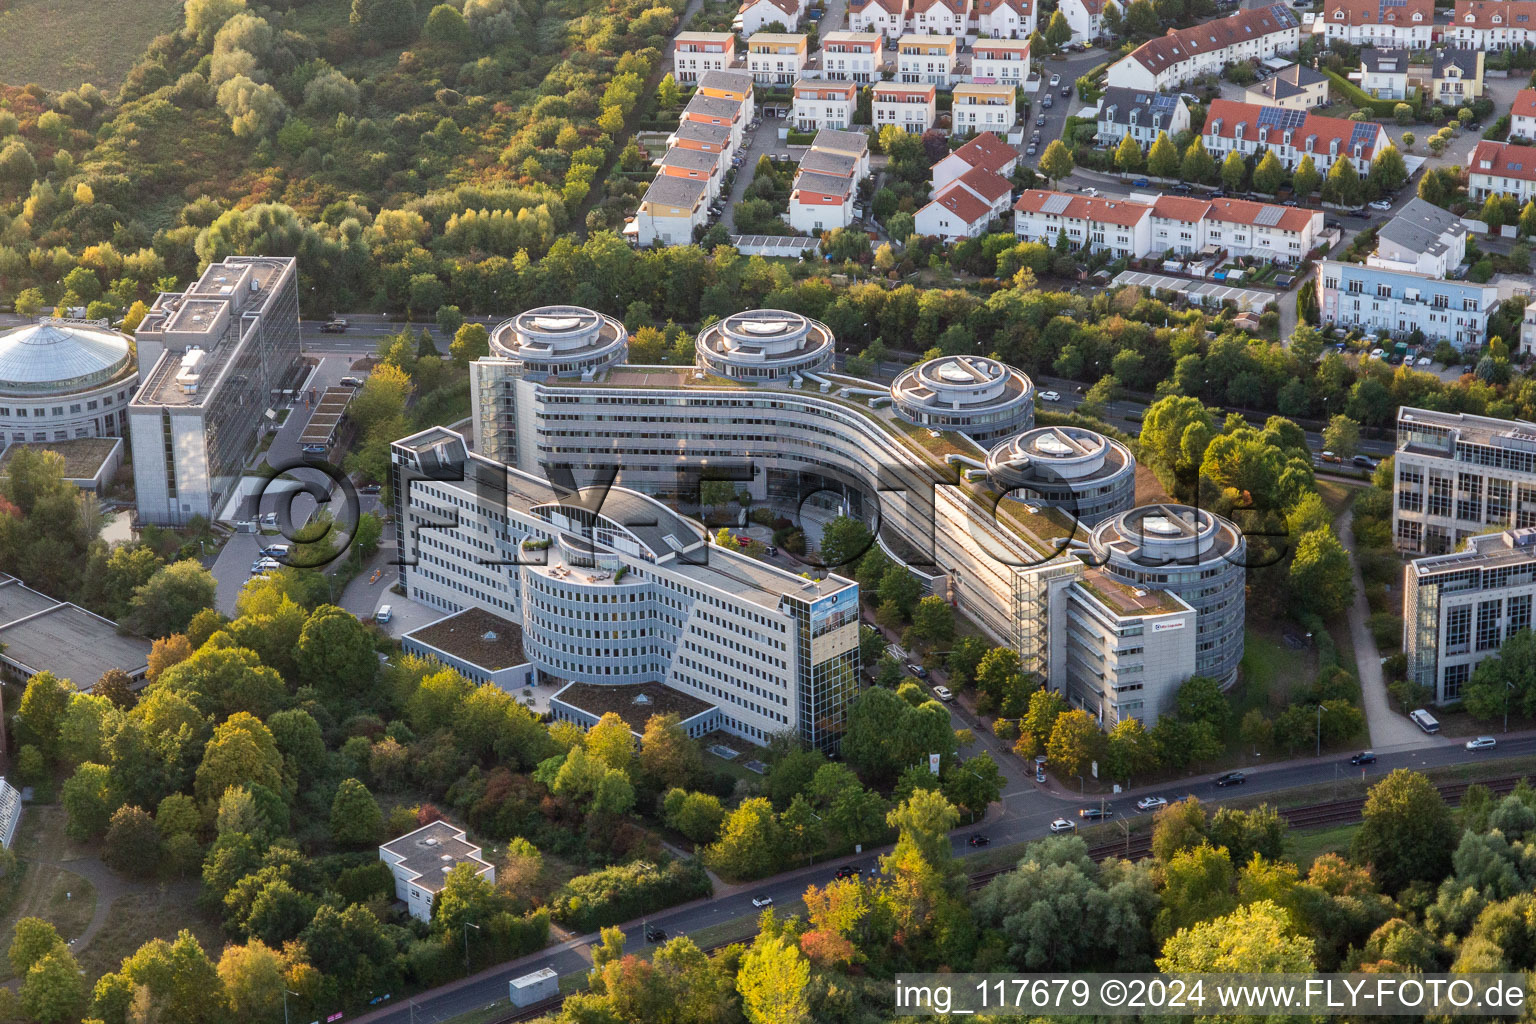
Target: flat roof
x=633, y=702
x=73, y=644
x=479, y=637
x=429, y=851
x=83, y=456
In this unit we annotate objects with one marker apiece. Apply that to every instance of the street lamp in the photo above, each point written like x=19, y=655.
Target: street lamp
x=286, y=994
x=1320, y=710
x=467, y=926
x=1509, y=688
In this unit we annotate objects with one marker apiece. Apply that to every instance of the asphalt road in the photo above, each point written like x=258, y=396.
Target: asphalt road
x=1027, y=816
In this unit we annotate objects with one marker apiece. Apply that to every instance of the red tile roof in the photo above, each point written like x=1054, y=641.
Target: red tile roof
x=988, y=185
x=1020, y=7
x=1480, y=14
x=964, y=205
x=1191, y=211
x=897, y=7
x=988, y=151
x=1223, y=116
x=960, y=7
x=1525, y=104
x=1180, y=44
x=789, y=7
x=1104, y=211
x=1503, y=160
x=1243, y=211
x=1374, y=12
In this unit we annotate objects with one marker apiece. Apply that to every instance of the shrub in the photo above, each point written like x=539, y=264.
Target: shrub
x=625, y=891
x=1387, y=629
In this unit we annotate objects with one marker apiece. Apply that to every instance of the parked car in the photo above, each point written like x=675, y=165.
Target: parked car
x=977, y=839
x=1063, y=825
x=762, y=901
x=1482, y=743
x=1381, y=204
x=1422, y=361
x=655, y=935
x=274, y=551
x=1066, y=91
x=1050, y=396
x=1040, y=121
x=384, y=614
x=1231, y=779
x=1151, y=803
x=1140, y=183
x=942, y=692
x=1364, y=757
x=1031, y=150
x=1046, y=101
x=1095, y=813
x=1055, y=81
x=917, y=670
x=1091, y=191
x=351, y=382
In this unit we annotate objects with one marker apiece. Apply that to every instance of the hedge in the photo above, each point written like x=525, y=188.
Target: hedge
x=626, y=891
x=1359, y=97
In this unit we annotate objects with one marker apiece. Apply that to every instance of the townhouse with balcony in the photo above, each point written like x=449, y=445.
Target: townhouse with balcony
x=986, y=151
x=1492, y=24
x=1085, y=17
x=927, y=60
x=708, y=138
x=695, y=165
x=852, y=56
x=1460, y=608
x=939, y=17
x=757, y=15
x=720, y=113
x=1502, y=167
x=966, y=206
x=1187, y=53
x=1389, y=24
x=912, y=108
x=694, y=53
x=979, y=107
x=777, y=58
x=887, y=17
x=1004, y=19
x=1116, y=226
x=1384, y=73
x=1185, y=225
x=1247, y=128
x=1294, y=88
x=852, y=145
x=1140, y=114
x=822, y=104
x=1005, y=61
x=730, y=85
x=820, y=202
x=671, y=211
x=1522, y=115
x=1456, y=77
x=1457, y=475
x=1402, y=287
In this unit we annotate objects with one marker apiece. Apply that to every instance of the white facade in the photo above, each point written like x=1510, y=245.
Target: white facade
x=62, y=378
x=1492, y=24
x=1005, y=61
x=1184, y=54
x=671, y=210
x=1407, y=25
x=1122, y=228
x=926, y=59
x=983, y=108
x=852, y=56
x=1384, y=74
x=777, y=58
x=1458, y=475
x=887, y=17
x=421, y=860
x=820, y=203
x=694, y=53
x=820, y=104
x=939, y=17
x=1502, y=167
x=1084, y=17
x=757, y=15
x=1005, y=19
x=910, y=107
x=1248, y=129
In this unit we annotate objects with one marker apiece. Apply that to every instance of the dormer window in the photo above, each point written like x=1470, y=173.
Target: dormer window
x=1498, y=19
x=1338, y=15
x=1417, y=16
x=1471, y=19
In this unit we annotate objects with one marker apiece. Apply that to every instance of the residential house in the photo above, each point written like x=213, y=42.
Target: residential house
x=1528, y=331
x=1502, y=167
x=852, y=56
x=712, y=110
x=421, y=861
x=1293, y=87
x=1085, y=17
x=1384, y=73
x=1004, y=19
x=1421, y=238
x=1141, y=115
x=695, y=165
x=822, y=104
x=966, y=206
x=710, y=138
x=1186, y=53
x=757, y=15
x=694, y=53
x=777, y=58
x=910, y=107
x=1522, y=115
x=1492, y=24
x=1390, y=24
x=820, y=202
x=1290, y=134
x=1000, y=60
x=1117, y=226
x=853, y=144
x=985, y=151
x=887, y=17
x=1185, y=225
x=1398, y=303
x=826, y=161
x=926, y=59
x=1456, y=76
x=980, y=107
x=939, y=17
x=730, y=85
x=671, y=211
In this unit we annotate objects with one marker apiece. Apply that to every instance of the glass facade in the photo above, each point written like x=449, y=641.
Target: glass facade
x=827, y=656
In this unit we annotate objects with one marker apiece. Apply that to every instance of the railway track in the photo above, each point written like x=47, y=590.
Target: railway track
x=1135, y=846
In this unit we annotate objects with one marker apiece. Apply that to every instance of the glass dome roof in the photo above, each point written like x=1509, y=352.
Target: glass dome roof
x=55, y=355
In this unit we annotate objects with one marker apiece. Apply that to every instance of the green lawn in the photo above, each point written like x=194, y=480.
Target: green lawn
x=1270, y=669
x=61, y=44
x=1306, y=846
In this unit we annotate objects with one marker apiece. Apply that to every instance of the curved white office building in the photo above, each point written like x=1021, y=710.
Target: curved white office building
x=975, y=395
x=62, y=379
x=561, y=341
x=1193, y=554
x=1080, y=471
x=764, y=344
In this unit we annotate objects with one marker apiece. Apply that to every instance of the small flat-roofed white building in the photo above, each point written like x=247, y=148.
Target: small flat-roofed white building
x=421, y=860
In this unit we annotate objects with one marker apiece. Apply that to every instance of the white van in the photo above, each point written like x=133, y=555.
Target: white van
x=1424, y=720
x=383, y=615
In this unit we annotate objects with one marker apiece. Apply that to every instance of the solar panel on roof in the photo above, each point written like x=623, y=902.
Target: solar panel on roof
x=1056, y=204
x=1363, y=134
x=1269, y=216
x=1280, y=117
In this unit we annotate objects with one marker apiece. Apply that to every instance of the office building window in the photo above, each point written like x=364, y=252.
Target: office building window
x=1488, y=624
x=1458, y=630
